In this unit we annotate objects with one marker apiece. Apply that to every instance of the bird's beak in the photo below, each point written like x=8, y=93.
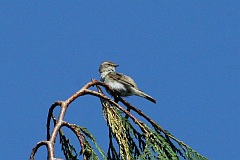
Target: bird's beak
x=116, y=65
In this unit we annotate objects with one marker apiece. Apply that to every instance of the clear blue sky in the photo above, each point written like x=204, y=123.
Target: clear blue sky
x=186, y=54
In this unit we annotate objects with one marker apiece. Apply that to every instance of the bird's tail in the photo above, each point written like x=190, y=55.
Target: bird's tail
x=144, y=95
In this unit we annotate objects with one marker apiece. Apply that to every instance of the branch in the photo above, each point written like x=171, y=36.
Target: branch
x=100, y=95
x=76, y=132
x=51, y=138
x=39, y=144
x=50, y=113
x=63, y=105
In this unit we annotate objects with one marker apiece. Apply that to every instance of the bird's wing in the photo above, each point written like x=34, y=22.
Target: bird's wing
x=126, y=80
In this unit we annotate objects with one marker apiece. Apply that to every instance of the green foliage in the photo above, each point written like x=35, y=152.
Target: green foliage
x=137, y=140
x=67, y=148
x=118, y=131
x=86, y=150
x=129, y=138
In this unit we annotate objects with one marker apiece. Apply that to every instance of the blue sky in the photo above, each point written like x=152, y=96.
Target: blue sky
x=186, y=54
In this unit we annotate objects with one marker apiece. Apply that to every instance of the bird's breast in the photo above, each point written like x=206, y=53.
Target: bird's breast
x=116, y=86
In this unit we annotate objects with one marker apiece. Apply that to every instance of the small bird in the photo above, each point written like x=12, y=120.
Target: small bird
x=121, y=84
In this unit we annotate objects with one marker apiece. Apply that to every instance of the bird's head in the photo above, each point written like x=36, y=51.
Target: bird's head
x=107, y=67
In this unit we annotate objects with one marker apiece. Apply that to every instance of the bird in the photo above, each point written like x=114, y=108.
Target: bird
x=121, y=84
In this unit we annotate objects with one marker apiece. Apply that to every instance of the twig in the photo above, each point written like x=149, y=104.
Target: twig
x=77, y=133
x=50, y=113
x=39, y=144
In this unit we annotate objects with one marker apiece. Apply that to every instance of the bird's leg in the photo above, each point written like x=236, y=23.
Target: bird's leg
x=116, y=97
